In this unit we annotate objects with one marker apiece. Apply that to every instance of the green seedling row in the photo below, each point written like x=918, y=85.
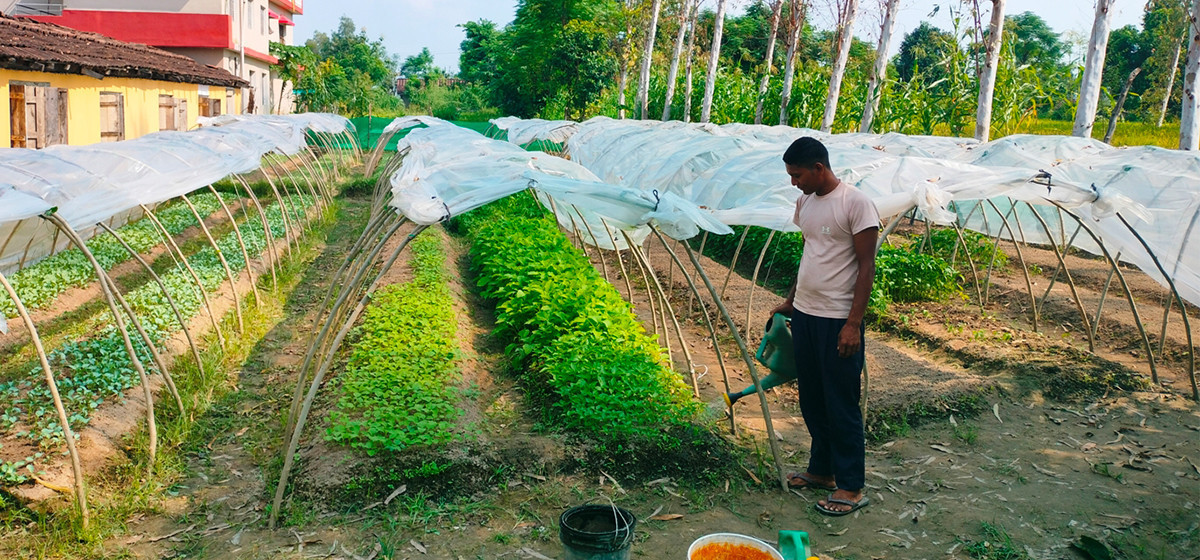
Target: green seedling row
x=398, y=390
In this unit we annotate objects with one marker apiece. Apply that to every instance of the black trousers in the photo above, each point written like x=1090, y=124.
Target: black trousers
x=830, y=388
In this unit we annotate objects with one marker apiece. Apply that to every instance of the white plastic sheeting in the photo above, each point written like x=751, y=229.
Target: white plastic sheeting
x=107, y=182
x=522, y=132
x=451, y=170
x=736, y=172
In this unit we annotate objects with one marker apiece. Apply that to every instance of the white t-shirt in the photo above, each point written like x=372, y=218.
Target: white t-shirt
x=829, y=266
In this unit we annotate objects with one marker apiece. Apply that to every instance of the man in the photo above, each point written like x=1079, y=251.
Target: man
x=827, y=303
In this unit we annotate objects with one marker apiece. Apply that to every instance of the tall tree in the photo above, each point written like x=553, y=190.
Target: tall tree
x=691, y=50
x=643, y=99
x=923, y=52
x=714, y=60
x=795, y=25
x=479, y=52
x=768, y=61
x=879, y=70
x=987, y=78
x=1089, y=89
x=622, y=45
x=1165, y=25
x=419, y=65
x=1189, y=125
x=685, y=9
x=1036, y=43
x=848, y=10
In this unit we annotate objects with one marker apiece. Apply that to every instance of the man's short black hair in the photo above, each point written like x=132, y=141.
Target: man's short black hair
x=807, y=152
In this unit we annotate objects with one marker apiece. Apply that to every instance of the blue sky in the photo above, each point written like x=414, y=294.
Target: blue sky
x=408, y=25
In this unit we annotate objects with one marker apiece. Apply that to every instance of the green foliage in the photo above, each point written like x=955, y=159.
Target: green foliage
x=997, y=545
x=344, y=73
x=907, y=276
x=397, y=391
x=583, y=357
x=944, y=243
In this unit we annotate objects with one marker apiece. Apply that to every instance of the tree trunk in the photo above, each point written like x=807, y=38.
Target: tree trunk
x=845, y=37
x=622, y=81
x=1189, y=126
x=770, y=62
x=987, y=78
x=789, y=68
x=648, y=58
x=1093, y=69
x=673, y=72
x=691, y=49
x=714, y=58
x=1162, y=111
x=1116, y=114
x=879, y=72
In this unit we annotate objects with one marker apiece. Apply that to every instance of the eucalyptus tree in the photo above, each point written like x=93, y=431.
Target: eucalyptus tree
x=1189, y=126
x=643, y=99
x=685, y=9
x=714, y=58
x=987, y=78
x=879, y=70
x=1089, y=88
x=768, y=60
x=795, y=25
x=847, y=10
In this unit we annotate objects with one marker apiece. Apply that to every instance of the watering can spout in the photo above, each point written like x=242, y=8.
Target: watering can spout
x=793, y=545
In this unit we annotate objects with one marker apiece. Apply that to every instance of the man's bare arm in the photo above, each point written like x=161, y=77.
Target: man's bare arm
x=864, y=249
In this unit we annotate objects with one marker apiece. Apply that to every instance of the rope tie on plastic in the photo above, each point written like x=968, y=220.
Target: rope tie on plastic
x=657, y=199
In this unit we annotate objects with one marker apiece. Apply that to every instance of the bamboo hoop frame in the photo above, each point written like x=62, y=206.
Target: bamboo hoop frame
x=237, y=300
x=733, y=262
x=754, y=280
x=1137, y=317
x=63, y=419
x=1062, y=261
x=237, y=232
x=172, y=246
x=1020, y=258
x=306, y=407
x=666, y=304
x=267, y=233
x=752, y=369
x=120, y=324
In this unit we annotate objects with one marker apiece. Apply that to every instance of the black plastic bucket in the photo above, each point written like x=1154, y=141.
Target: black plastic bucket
x=596, y=532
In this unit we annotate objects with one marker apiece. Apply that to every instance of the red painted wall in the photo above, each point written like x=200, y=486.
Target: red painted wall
x=157, y=29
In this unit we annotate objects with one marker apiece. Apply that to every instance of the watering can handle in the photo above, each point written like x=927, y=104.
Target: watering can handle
x=793, y=545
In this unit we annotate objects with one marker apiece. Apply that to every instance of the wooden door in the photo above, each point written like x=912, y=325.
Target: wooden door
x=112, y=116
x=181, y=115
x=166, y=112
x=205, y=107
x=57, y=116
x=16, y=113
x=35, y=117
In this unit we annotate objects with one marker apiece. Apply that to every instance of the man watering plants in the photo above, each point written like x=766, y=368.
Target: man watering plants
x=840, y=227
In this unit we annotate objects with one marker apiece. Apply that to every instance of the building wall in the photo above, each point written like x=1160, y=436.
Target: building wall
x=141, y=102
x=179, y=6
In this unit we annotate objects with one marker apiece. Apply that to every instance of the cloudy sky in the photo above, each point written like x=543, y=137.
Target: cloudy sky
x=408, y=25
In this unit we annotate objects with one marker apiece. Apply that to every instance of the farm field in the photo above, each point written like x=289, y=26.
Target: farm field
x=478, y=396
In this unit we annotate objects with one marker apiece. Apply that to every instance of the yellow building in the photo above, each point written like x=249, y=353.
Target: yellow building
x=71, y=87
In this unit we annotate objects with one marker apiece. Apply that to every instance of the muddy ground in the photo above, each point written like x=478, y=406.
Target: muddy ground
x=987, y=438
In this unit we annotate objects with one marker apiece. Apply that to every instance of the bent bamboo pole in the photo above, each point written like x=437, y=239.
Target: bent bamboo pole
x=174, y=309
x=1187, y=325
x=1137, y=317
x=237, y=232
x=666, y=304
x=1058, y=270
x=595, y=243
x=294, y=442
x=1062, y=261
x=151, y=427
x=620, y=260
x=733, y=263
x=712, y=331
x=754, y=281
x=1020, y=257
x=343, y=294
x=1104, y=295
x=195, y=277
x=762, y=398
x=269, y=235
x=237, y=300
x=63, y=419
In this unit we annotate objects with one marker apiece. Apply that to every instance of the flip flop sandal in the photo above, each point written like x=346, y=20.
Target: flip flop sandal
x=807, y=482
x=854, y=506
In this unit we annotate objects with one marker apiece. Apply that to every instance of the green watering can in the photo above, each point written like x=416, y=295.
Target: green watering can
x=793, y=545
